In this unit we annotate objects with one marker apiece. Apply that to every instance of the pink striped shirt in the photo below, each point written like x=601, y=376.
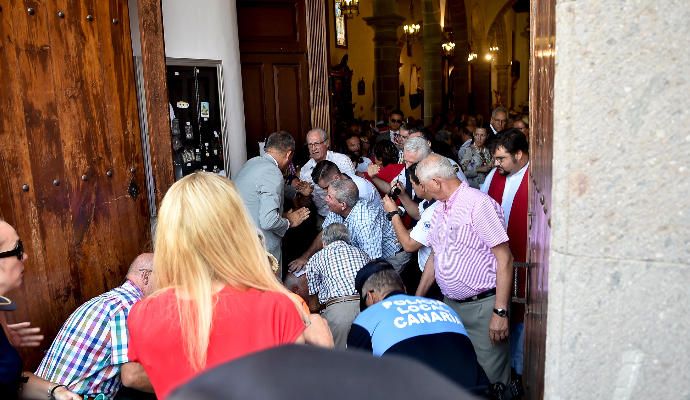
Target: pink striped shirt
x=463, y=230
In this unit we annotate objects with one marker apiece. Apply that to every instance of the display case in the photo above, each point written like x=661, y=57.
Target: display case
x=196, y=115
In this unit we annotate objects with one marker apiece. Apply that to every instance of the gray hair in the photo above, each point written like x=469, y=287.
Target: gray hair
x=345, y=191
x=498, y=110
x=384, y=282
x=435, y=166
x=281, y=141
x=334, y=233
x=419, y=146
x=322, y=133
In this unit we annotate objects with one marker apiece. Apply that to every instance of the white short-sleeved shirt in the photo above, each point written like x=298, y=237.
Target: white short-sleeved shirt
x=367, y=190
x=362, y=167
x=319, y=195
x=420, y=232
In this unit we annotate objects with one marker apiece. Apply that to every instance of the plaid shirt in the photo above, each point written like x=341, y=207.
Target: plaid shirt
x=370, y=230
x=92, y=344
x=331, y=272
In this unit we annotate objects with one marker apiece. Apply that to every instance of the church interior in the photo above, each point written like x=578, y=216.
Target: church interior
x=105, y=104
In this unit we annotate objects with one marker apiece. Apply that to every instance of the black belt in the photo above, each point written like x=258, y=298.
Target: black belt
x=476, y=297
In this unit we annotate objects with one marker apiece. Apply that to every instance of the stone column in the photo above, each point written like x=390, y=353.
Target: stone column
x=459, y=60
x=620, y=249
x=386, y=55
x=481, y=88
x=433, y=67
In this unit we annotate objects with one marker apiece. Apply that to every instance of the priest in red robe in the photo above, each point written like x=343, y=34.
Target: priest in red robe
x=507, y=184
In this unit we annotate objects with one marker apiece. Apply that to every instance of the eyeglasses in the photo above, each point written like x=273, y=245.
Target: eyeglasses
x=500, y=159
x=18, y=251
x=396, y=121
x=315, y=144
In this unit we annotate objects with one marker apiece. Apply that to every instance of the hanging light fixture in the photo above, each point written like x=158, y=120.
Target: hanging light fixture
x=349, y=8
x=471, y=55
x=448, y=49
x=448, y=43
x=411, y=31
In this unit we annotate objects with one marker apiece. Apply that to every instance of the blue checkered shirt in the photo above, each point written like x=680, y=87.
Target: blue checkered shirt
x=91, y=346
x=331, y=272
x=370, y=230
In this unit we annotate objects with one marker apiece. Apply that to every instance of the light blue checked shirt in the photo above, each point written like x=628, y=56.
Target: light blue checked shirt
x=92, y=344
x=370, y=230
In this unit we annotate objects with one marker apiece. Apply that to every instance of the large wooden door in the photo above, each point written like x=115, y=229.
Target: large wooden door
x=72, y=176
x=542, y=27
x=275, y=77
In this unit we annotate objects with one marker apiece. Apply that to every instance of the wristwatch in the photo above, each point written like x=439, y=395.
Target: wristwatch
x=390, y=214
x=501, y=312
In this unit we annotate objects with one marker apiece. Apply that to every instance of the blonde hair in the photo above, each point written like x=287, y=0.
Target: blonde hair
x=205, y=237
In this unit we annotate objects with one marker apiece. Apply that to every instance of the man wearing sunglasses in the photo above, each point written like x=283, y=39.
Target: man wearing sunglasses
x=395, y=121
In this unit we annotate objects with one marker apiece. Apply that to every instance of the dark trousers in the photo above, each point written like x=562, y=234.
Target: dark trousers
x=126, y=393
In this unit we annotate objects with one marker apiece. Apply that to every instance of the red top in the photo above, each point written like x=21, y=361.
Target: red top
x=390, y=172
x=244, y=321
x=517, y=232
x=387, y=173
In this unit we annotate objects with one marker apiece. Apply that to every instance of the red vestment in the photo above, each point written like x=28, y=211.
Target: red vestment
x=517, y=230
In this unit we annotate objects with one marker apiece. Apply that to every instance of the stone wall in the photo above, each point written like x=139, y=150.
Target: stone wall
x=619, y=313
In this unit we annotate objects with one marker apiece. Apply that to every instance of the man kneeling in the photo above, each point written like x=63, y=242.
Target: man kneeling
x=392, y=322
x=89, y=354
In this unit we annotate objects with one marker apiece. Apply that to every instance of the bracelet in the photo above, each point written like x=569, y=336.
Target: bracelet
x=52, y=391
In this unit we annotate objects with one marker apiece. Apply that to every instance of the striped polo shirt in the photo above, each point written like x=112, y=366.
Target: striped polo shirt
x=464, y=228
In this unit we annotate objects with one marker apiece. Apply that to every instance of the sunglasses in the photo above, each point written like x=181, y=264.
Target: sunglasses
x=18, y=251
x=397, y=121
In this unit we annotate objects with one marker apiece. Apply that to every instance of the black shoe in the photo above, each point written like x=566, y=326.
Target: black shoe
x=497, y=391
x=516, y=388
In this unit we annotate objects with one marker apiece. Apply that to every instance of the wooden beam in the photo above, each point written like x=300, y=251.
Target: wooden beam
x=155, y=86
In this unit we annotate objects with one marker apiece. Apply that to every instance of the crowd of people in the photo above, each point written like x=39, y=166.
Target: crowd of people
x=401, y=243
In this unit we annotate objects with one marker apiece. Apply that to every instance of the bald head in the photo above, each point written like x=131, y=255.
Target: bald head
x=438, y=176
x=140, y=272
x=435, y=167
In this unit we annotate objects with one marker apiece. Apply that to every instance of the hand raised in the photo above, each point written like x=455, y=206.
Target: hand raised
x=388, y=204
x=373, y=170
x=22, y=335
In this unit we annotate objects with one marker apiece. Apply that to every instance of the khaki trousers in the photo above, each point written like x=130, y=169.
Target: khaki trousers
x=339, y=317
x=476, y=316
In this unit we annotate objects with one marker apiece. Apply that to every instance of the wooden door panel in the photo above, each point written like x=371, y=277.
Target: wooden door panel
x=275, y=73
x=286, y=86
x=542, y=28
x=276, y=96
x=69, y=130
x=253, y=90
x=272, y=26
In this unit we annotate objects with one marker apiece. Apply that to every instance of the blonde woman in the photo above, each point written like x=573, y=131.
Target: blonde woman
x=217, y=297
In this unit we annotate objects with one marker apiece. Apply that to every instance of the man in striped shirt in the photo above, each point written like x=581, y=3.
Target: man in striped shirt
x=472, y=262
x=89, y=354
